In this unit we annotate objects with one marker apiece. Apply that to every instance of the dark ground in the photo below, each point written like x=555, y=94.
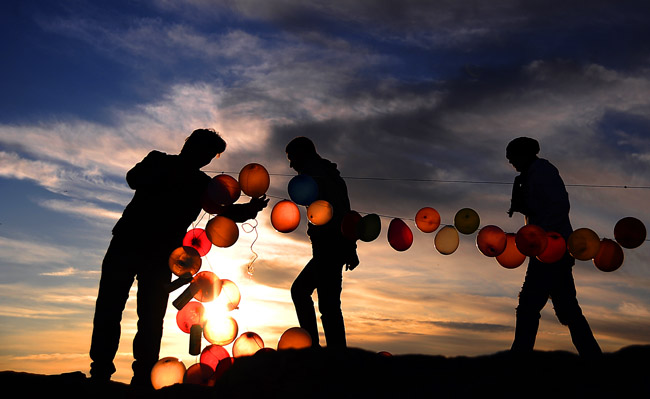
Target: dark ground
x=356, y=373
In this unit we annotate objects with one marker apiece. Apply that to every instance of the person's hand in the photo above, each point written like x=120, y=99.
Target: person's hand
x=352, y=261
x=257, y=204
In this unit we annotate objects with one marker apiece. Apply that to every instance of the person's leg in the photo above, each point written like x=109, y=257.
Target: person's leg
x=329, y=302
x=151, y=309
x=114, y=286
x=301, y=293
x=569, y=313
x=532, y=299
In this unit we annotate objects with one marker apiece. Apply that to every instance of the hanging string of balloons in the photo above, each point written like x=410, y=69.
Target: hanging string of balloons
x=508, y=248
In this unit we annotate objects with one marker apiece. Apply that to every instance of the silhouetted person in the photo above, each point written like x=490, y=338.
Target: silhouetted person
x=167, y=199
x=540, y=195
x=330, y=249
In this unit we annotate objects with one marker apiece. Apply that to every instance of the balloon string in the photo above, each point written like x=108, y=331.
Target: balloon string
x=253, y=228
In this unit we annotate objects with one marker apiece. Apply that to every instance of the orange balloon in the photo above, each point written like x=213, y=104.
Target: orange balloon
x=184, y=260
x=583, y=244
x=247, y=344
x=511, y=257
x=285, y=216
x=491, y=241
x=222, y=231
x=629, y=232
x=400, y=236
x=207, y=286
x=349, y=225
x=191, y=314
x=555, y=249
x=294, y=338
x=223, y=190
x=197, y=239
x=531, y=240
x=166, y=372
x=427, y=220
x=319, y=212
x=254, y=180
x=610, y=256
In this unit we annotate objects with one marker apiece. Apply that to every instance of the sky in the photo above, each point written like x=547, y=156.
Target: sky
x=414, y=101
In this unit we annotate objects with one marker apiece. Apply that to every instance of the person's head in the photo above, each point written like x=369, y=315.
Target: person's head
x=521, y=152
x=202, y=146
x=299, y=152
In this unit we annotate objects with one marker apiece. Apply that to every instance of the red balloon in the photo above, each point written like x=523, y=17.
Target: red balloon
x=610, y=256
x=427, y=220
x=198, y=239
x=207, y=286
x=491, y=241
x=191, y=314
x=555, y=248
x=285, y=216
x=511, y=257
x=224, y=189
x=531, y=240
x=629, y=232
x=198, y=374
x=400, y=236
x=349, y=225
x=211, y=355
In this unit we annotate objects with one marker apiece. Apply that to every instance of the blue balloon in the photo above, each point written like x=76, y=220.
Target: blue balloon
x=303, y=189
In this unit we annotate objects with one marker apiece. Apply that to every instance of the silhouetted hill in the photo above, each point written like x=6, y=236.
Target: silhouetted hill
x=356, y=373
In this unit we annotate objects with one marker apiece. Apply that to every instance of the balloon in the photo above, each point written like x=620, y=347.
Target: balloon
x=211, y=355
x=222, y=231
x=285, y=216
x=220, y=330
x=303, y=189
x=207, y=286
x=446, y=240
x=629, y=232
x=191, y=314
x=349, y=225
x=247, y=344
x=400, y=236
x=466, y=221
x=319, y=212
x=230, y=295
x=184, y=260
x=511, y=257
x=583, y=244
x=167, y=372
x=369, y=227
x=197, y=239
x=211, y=206
x=491, y=241
x=254, y=180
x=610, y=256
x=427, y=220
x=555, y=248
x=223, y=190
x=198, y=374
x=294, y=338
x=531, y=240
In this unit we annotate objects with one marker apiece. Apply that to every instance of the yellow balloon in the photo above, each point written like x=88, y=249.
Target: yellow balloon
x=320, y=212
x=220, y=330
x=447, y=240
x=583, y=244
x=294, y=338
x=466, y=221
x=247, y=344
